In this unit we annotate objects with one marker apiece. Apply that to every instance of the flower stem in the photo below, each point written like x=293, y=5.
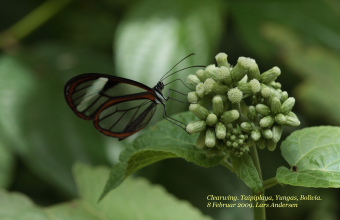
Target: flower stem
x=255, y=157
x=259, y=210
x=228, y=165
x=270, y=183
x=31, y=22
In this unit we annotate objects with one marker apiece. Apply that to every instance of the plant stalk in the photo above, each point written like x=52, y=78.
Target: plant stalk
x=228, y=165
x=259, y=209
x=270, y=183
x=31, y=22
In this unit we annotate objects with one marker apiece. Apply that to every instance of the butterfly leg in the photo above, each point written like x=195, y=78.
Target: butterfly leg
x=169, y=97
x=172, y=120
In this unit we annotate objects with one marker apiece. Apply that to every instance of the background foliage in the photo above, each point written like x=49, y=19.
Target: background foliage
x=44, y=43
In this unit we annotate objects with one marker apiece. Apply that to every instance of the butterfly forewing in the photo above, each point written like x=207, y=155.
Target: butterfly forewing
x=88, y=92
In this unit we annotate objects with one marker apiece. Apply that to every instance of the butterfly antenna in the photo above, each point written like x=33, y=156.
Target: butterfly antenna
x=181, y=70
x=175, y=66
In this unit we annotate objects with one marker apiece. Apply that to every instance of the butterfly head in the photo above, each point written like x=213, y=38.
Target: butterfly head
x=159, y=87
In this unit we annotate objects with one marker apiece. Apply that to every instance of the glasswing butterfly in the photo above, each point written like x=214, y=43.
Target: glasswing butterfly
x=119, y=107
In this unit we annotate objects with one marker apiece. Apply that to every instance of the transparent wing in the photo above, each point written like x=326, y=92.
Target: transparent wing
x=125, y=118
x=119, y=107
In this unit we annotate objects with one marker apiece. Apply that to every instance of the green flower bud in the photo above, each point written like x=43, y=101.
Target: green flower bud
x=205, y=101
x=284, y=96
x=240, y=141
x=261, y=143
x=230, y=116
x=267, y=121
x=262, y=109
x=229, y=127
x=232, y=137
x=253, y=69
x=244, y=79
x=196, y=127
x=200, y=142
x=275, y=105
x=235, y=95
x=288, y=105
x=210, y=72
x=235, y=131
x=252, y=114
x=222, y=60
x=211, y=68
x=239, y=71
x=220, y=89
x=277, y=132
x=292, y=121
x=292, y=114
x=245, y=88
x=255, y=135
x=266, y=92
x=210, y=138
x=271, y=145
x=193, y=79
x=270, y=75
x=201, y=76
x=223, y=75
x=275, y=85
x=220, y=130
x=267, y=133
x=192, y=97
x=280, y=119
x=217, y=105
x=235, y=144
x=201, y=112
x=255, y=85
x=211, y=119
x=200, y=90
x=208, y=85
x=246, y=127
x=245, y=66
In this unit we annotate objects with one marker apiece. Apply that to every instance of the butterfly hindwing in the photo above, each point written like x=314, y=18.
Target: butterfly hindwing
x=125, y=118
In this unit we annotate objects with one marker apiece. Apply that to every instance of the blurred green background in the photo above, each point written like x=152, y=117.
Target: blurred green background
x=45, y=43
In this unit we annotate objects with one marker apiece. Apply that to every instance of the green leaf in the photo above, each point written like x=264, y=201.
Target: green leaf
x=159, y=142
x=309, y=178
x=6, y=166
x=135, y=199
x=35, y=120
x=305, y=20
x=15, y=86
x=315, y=154
x=16, y=206
x=246, y=171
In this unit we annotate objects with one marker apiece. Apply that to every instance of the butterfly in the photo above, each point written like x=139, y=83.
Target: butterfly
x=119, y=107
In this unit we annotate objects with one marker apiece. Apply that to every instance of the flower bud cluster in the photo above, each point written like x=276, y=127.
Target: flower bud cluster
x=238, y=107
